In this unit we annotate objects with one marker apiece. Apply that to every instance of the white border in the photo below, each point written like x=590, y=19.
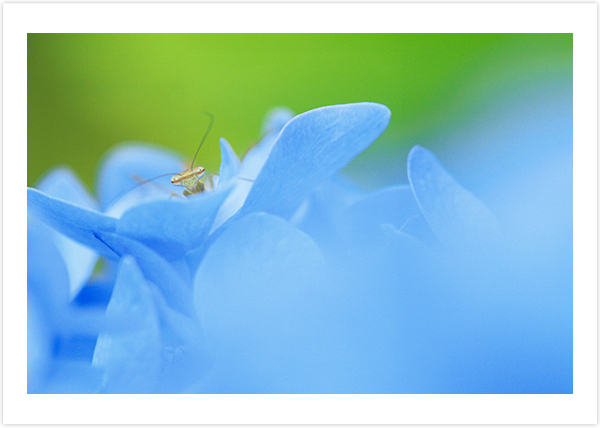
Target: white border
x=579, y=19
x=300, y=17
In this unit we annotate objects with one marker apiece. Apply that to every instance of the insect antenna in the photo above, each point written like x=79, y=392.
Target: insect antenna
x=212, y=120
x=141, y=183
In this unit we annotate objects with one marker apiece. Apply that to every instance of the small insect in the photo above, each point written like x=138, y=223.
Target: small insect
x=190, y=179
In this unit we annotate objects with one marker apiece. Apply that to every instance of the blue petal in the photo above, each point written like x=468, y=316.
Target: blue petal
x=319, y=215
x=131, y=355
x=258, y=294
x=48, y=285
x=394, y=205
x=62, y=183
x=257, y=156
x=74, y=377
x=124, y=166
x=230, y=164
x=252, y=164
x=456, y=217
x=39, y=346
x=73, y=221
x=173, y=227
x=55, y=330
x=160, y=272
x=185, y=357
x=137, y=196
x=232, y=203
x=311, y=148
x=47, y=276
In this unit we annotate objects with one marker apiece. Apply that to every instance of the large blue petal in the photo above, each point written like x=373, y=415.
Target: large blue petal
x=124, y=166
x=280, y=322
x=48, y=285
x=39, y=345
x=394, y=205
x=252, y=164
x=155, y=268
x=62, y=183
x=185, y=357
x=74, y=377
x=59, y=337
x=456, y=217
x=258, y=293
x=130, y=355
x=73, y=221
x=257, y=156
x=319, y=215
x=47, y=276
x=173, y=227
x=311, y=148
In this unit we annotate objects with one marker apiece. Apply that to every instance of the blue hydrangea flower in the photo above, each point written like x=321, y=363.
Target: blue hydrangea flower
x=285, y=277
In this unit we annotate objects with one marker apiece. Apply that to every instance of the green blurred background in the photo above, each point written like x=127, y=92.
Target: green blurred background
x=88, y=92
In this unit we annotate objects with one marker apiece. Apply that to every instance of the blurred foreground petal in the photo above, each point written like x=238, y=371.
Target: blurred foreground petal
x=456, y=217
x=257, y=293
x=131, y=355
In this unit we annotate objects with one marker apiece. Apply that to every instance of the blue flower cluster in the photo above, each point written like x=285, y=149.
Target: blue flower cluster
x=286, y=278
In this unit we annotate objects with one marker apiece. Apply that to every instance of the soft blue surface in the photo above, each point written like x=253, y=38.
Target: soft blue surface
x=60, y=336
x=456, y=217
x=294, y=280
x=230, y=164
x=130, y=355
x=173, y=227
x=62, y=183
x=74, y=221
x=311, y=148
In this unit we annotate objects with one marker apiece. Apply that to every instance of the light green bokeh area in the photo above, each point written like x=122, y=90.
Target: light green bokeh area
x=88, y=92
